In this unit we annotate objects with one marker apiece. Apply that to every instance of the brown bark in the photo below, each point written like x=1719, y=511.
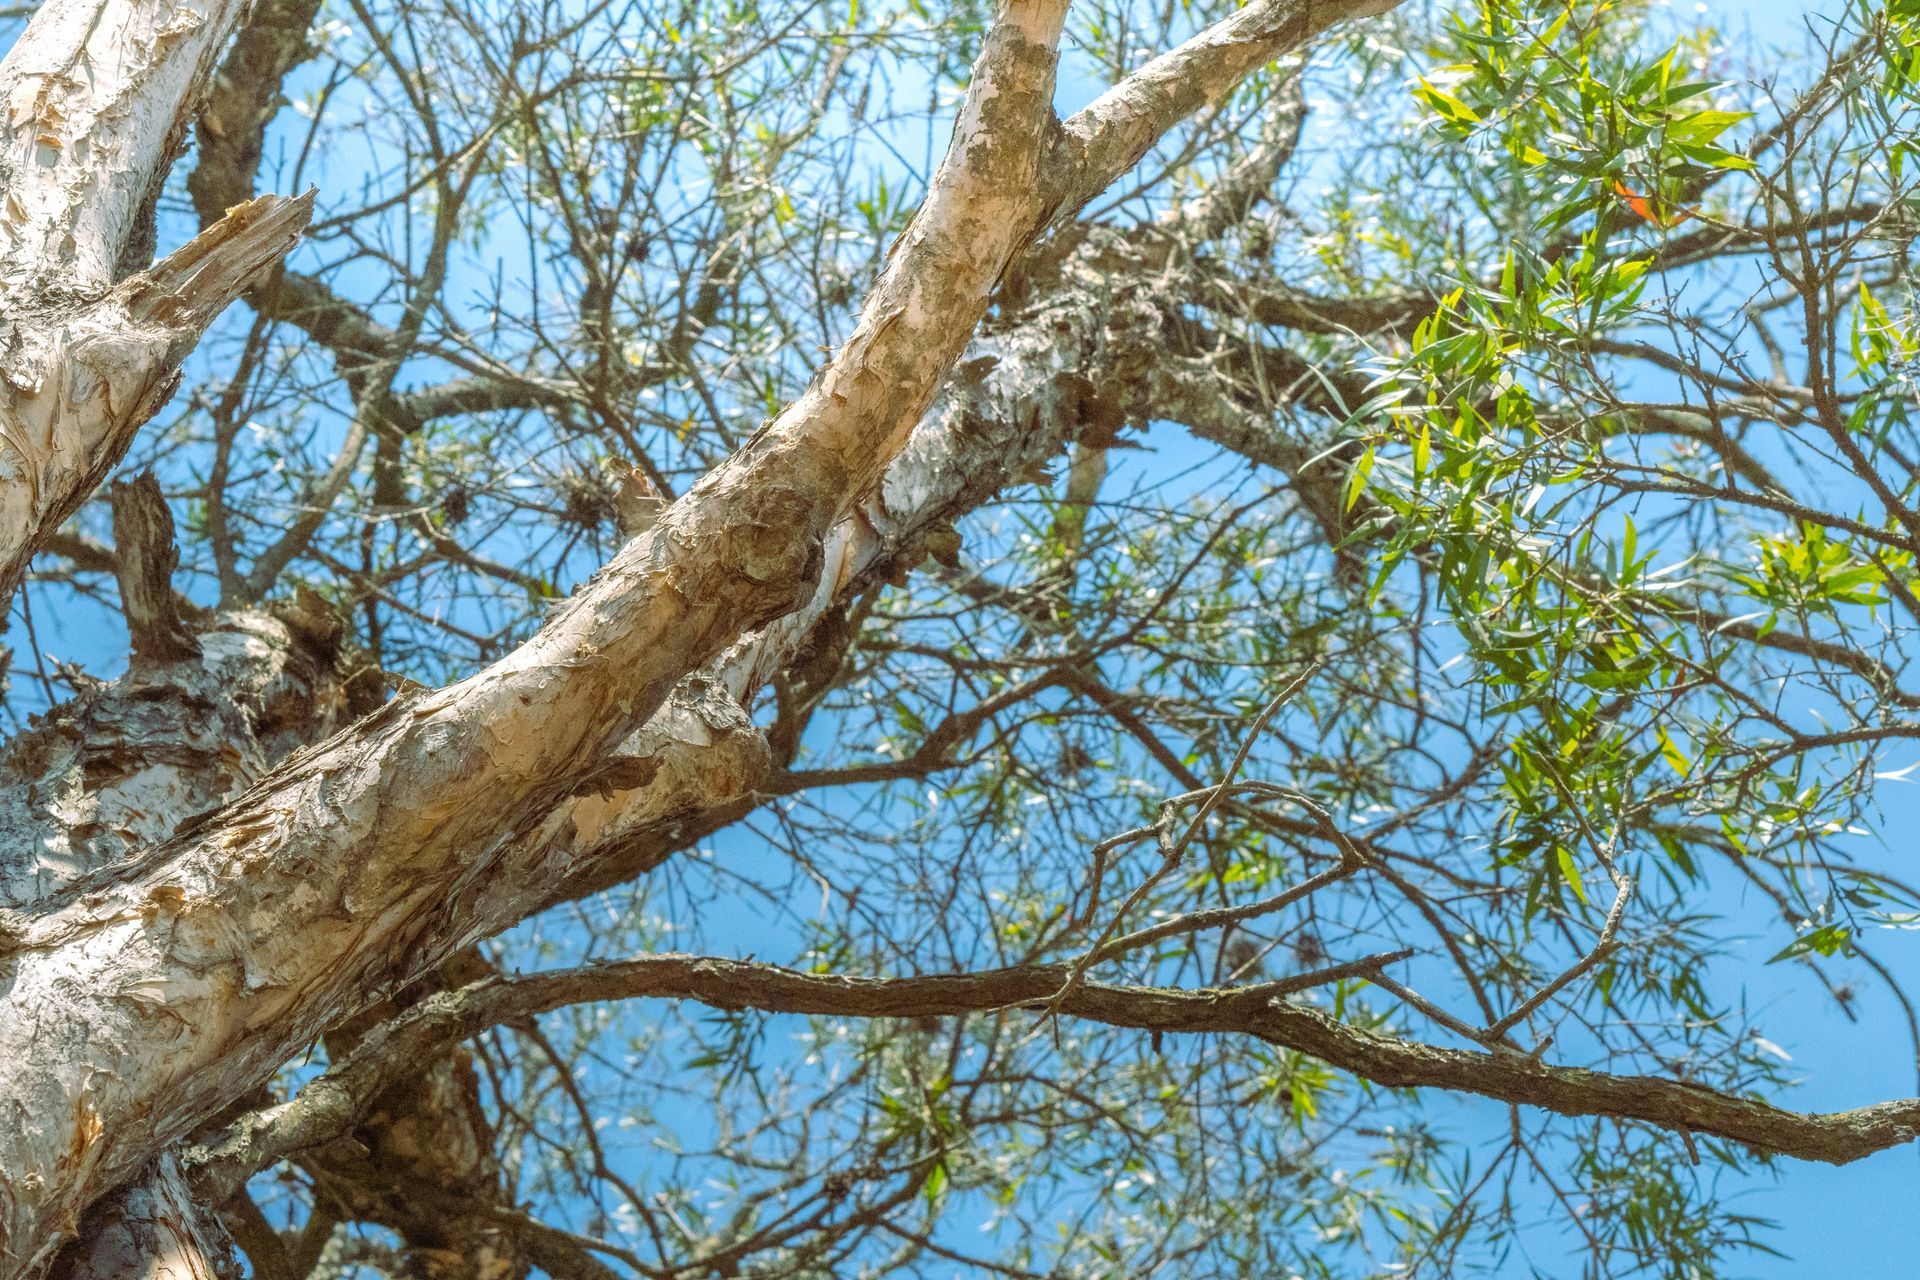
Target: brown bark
x=1263, y=1011
x=144, y=560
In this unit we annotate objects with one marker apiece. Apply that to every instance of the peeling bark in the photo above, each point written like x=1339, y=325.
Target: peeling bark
x=697, y=765
x=115, y=770
x=145, y=558
x=97, y=95
x=202, y=966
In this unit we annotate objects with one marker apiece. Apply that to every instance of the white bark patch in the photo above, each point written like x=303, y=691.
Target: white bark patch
x=92, y=97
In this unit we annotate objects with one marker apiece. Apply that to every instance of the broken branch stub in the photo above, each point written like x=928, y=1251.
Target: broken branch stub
x=78, y=380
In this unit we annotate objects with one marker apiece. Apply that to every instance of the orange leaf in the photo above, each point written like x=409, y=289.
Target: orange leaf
x=1646, y=209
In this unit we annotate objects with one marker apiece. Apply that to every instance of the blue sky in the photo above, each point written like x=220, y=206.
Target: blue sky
x=1861, y=1221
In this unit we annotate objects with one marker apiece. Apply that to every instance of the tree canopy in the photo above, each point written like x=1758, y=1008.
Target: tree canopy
x=808, y=640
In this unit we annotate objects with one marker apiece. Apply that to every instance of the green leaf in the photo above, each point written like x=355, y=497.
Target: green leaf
x=1703, y=127
x=1358, y=481
x=1445, y=103
x=1716, y=157
x=1827, y=940
x=1674, y=756
x=1571, y=871
x=936, y=1182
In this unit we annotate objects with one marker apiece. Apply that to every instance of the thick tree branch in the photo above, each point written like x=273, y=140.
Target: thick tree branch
x=81, y=155
x=1110, y=135
x=378, y=828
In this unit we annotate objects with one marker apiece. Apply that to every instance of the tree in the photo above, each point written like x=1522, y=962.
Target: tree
x=626, y=524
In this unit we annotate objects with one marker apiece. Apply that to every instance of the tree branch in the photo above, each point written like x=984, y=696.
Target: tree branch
x=1109, y=136
x=330, y=1104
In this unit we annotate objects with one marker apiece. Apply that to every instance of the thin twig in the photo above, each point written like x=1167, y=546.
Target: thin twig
x=1171, y=851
